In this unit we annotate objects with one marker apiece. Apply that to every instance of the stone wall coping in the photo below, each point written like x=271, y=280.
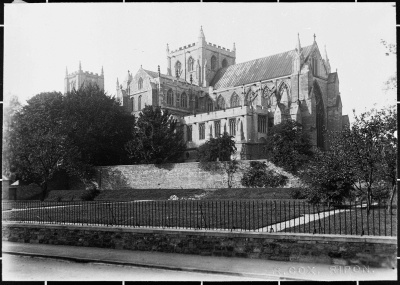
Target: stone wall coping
x=228, y=234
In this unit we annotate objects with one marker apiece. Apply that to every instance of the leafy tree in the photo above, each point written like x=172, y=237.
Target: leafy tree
x=39, y=143
x=97, y=126
x=217, y=149
x=330, y=174
x=157, y=138
x=258, y=175
x=71, y=133
x=288, y=146
x=372, y=140
x=359, y=158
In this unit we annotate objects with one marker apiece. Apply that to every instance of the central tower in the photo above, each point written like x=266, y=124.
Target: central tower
x=202, y=60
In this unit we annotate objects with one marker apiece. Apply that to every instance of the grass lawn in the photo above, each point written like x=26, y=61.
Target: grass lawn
x=165, y=194
x=355, y=221
x=207, y=214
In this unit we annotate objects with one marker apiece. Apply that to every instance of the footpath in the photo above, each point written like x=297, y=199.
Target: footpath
x=230, y=266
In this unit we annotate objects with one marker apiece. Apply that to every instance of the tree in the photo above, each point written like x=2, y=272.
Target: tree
x=359, y=158
x=330, y=174
x=71, y=133
x=217, y=149
x=288, y=146
x=97, y=126
x=157, y=138
x=39, y=143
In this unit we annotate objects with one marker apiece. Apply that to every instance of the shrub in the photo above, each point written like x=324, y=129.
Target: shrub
x=297, y=194
x=90, y=195
x=258, y=175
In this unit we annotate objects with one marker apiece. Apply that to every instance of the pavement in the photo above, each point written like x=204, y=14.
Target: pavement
x=230, y=266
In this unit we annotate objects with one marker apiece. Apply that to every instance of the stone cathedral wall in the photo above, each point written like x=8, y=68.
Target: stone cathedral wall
x=189, y=175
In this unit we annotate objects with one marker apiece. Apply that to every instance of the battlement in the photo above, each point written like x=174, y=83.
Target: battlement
x=219, y=47
x=184, y=47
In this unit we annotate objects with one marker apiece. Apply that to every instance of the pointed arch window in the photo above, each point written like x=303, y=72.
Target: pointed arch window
x=178, y=67
x=140, y=83
x=191, y=64
x=139, y=103
x=224, y=63
x=210, y=105
x=220, y=103
x=213, y=63
x=196, y=102
x=183, y=100
x=170, y=97
x=235, y=100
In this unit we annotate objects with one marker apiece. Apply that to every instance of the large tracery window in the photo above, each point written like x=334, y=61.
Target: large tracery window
x=213, y=63
x=191, y=64
x=183, y=100
x=189, y=130
x=210, y=105
x=224, y=63
x=202, y=131
x=235, y=100
x=139, y=103
x=140, y=83
x=220, y=103
x=262, y=124
x=217, y=128
x=232, y=127
x=178, y=67
x=170, y=97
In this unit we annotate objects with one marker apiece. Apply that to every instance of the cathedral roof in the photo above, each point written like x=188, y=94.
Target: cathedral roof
x=265, y=68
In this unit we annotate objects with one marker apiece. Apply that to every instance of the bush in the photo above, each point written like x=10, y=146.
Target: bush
x=90, y=195
x=258, y=175
x=297, y=194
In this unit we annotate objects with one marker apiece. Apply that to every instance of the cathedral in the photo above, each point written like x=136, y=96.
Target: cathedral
x=209, y=93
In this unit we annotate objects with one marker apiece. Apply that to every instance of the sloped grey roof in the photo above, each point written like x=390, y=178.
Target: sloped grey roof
x=265, y=68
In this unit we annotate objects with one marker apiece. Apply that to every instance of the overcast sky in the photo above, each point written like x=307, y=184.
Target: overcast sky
x=41, y=40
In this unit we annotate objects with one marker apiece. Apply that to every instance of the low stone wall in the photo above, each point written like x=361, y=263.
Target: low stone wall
x=190, y=175
x=328, y=249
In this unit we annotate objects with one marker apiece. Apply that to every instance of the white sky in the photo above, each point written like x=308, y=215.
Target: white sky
x=42, y=39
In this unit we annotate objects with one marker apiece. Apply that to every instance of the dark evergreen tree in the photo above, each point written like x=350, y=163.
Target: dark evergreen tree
x=220, y=148
x=157, y=138
x=288, y=146
x=71, y=133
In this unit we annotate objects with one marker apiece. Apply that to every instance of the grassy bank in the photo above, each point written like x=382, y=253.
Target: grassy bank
x=165, y=194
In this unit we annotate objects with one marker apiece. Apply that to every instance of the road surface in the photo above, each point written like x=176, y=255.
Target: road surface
x=25, y=268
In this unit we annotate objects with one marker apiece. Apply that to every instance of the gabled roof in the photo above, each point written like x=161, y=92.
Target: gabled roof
x=265, y=68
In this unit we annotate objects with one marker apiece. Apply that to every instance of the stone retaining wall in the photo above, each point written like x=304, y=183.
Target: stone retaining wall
x=328, y=249
x=190, y=175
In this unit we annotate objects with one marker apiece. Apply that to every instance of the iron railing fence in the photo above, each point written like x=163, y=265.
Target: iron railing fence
x=291, y=216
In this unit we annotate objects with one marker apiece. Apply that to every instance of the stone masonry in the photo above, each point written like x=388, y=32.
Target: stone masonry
x=328, y=249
